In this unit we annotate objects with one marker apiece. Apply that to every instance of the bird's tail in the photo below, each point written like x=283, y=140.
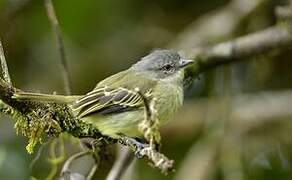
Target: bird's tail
x=25, y=96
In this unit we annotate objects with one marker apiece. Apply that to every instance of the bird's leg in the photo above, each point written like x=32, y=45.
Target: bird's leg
x=156, y=146
x=134, y=144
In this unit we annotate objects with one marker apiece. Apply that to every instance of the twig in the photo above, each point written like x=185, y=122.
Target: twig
x=38, y=155
x=97, y=151
x=157, y=159
x=93, y=147
x=54, y=159
x=121, y=165
x=199, y=162
x=66, y=166
x=60, y=44
x=92, y=171
x=36, y=158
x=5, y=72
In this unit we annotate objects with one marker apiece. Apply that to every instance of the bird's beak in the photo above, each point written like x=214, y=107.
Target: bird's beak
x=185, y=62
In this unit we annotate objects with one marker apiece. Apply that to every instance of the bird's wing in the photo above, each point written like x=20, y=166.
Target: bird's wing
x=107, y=100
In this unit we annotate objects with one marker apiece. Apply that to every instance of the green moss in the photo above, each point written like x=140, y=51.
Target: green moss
x=36, y=120
x=35, y=124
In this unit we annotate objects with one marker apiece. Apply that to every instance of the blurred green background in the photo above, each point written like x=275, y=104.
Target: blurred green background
x=106, y=36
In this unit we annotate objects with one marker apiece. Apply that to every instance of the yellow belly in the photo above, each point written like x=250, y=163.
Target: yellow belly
x=170, y=100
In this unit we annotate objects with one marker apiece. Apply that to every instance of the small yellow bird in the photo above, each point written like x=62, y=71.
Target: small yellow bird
x=114, y=106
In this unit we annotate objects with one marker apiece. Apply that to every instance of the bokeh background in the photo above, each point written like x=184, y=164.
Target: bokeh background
x=106, y=36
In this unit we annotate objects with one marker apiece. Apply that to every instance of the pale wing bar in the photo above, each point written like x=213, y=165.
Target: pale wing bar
x=107, y=100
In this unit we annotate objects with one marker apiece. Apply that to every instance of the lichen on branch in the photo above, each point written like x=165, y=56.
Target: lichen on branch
x=37, y=119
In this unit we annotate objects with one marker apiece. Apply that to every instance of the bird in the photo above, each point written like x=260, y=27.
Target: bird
x=115, y=106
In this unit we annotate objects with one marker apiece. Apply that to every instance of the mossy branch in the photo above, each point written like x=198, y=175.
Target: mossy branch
x=36, y=119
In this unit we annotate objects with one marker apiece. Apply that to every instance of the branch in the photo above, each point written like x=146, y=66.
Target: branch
x=60, y=44
x=66, y=167
x=38, y=118
x=92, y=171
x=55, y=159
x=156, y=159
x=200, y=160
x=264, y=41
x=95, y=149
x=5, y=72
x=121, y=165
x=217, y=25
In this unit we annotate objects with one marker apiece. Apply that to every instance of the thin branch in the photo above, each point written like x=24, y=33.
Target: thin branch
x=121, y=165
x=156, y=159
x=60, y=44
x=206, y=30
x=67, y=164
x=5, y=72
x=199, y=162
x=55, y=159
x=92, y=171
x=261, y=42
x=38, y=155
x=97, y=150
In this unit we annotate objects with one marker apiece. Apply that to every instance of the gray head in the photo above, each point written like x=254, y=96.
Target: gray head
x=161, y=64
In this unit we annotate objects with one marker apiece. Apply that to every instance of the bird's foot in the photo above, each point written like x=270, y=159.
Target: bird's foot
x=134, y=144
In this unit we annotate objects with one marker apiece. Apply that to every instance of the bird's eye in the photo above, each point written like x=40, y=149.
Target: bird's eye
x=167, y=67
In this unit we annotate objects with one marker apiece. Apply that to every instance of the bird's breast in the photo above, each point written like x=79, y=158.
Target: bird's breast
x=169, y=100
